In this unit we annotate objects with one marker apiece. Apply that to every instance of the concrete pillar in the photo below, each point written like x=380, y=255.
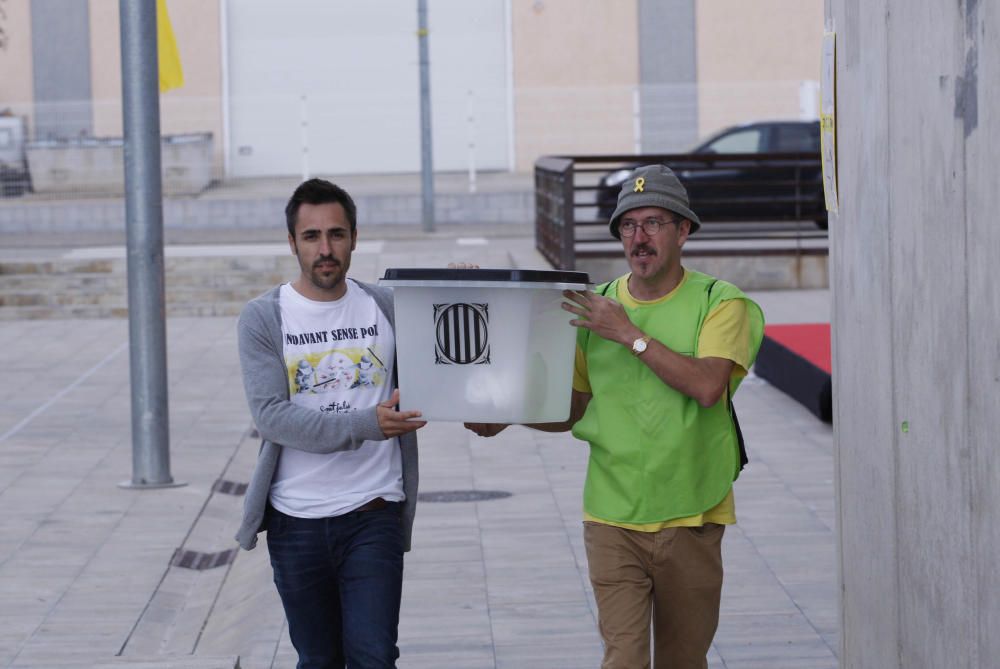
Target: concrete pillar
x=916, y=322
x=60, y=45
x=668, y=75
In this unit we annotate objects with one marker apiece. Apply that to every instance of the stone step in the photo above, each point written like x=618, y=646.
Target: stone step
x=118, y=297
x=508, y=205
x=103, y=266
x=73, y=311
x=196, y=285
x=96, y=283
x=48, y=267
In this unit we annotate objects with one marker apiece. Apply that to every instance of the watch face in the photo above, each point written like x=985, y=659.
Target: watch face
x=639, y=345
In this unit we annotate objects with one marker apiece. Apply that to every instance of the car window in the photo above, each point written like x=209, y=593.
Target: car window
x=741, y=141
x=800, y=138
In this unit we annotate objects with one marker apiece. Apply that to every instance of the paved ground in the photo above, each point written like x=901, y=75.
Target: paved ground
x=85, y=569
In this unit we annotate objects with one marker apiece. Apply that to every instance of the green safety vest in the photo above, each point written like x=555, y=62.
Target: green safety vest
x=655, y=453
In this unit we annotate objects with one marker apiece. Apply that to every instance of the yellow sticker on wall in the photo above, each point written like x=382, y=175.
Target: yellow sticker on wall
x=828, y=120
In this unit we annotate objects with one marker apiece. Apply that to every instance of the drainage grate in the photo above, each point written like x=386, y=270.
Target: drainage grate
x=462, y=495
x=202, y=561
x=229, y=487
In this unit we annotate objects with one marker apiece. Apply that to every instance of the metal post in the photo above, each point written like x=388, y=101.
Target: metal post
x=426, y=159
x=304, y=134
x=144, y=234
x=636, y=121
x=471, y=128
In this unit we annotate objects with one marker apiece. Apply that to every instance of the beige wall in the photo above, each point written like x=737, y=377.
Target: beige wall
x=575, y=65
x=16, y=88
x=196, y=106
x=752, y=57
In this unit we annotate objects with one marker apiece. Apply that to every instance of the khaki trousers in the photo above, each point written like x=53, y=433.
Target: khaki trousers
x=673, y=576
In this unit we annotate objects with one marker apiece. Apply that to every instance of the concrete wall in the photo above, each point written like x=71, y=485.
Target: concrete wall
x=16, y=87
x=576, y=65
x=668, y=75
x=752, y=58
x=196, y=106
x=915, y=318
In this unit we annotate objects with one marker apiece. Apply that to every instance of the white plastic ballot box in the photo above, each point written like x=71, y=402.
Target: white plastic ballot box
x=484, y=345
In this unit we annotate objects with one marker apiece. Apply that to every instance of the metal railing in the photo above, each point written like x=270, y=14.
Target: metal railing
x=749, y=204
x=555, y=221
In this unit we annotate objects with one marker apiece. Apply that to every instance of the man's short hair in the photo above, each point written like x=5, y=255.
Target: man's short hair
x=319, y=191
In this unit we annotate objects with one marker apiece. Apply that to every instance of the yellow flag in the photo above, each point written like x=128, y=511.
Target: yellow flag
x=171, y=74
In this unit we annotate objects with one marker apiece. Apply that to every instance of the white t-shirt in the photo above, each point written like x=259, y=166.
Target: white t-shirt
x=339, y=357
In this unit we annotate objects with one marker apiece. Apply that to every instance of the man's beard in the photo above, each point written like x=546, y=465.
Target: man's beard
x=329, y=276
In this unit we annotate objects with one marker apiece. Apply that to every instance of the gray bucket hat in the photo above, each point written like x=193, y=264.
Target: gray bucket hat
x=653, y=186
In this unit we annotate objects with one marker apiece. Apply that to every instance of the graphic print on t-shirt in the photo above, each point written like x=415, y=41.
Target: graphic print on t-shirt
x=336, y=369
x=338, y=355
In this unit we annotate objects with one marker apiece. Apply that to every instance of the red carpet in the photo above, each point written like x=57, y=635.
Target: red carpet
x=795, y=359
x=808, y=340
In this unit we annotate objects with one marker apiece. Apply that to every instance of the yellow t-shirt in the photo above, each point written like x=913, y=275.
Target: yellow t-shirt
x=724, y=334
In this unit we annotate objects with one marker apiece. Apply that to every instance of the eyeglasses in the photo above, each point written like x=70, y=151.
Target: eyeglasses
x=650, y=226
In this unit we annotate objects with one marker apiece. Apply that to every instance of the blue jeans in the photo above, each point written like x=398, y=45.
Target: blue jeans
x=340, y=580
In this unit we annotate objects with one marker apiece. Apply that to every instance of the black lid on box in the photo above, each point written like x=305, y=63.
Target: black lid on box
x=525, y=275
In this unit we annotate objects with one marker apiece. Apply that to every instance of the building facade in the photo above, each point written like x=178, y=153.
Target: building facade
x=331, y=87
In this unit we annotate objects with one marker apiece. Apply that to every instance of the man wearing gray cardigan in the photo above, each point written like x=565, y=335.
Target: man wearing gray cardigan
x=335, y=484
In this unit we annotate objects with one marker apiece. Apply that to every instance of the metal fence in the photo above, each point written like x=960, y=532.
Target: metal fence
x=555, y=219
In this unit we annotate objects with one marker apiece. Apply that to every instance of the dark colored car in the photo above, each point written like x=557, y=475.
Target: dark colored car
x=745, y=187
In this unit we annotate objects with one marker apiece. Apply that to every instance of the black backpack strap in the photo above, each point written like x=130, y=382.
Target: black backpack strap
x=744, y=459
x=604, y=292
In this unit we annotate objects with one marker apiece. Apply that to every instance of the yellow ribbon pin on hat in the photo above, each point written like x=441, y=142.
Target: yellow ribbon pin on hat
x=640, y=185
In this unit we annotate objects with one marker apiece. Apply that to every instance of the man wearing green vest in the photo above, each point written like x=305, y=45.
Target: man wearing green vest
x=660, y=351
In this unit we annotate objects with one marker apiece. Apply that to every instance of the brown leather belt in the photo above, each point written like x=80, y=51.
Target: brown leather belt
x=374, y=505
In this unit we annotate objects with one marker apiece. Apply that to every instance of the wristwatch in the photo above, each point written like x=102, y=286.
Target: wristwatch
x=639, y=346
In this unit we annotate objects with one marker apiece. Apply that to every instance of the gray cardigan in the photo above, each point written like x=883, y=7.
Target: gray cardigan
x=281, y=423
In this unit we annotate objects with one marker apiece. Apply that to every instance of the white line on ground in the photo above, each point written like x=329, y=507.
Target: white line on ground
x=55, y=398
x=472, y=241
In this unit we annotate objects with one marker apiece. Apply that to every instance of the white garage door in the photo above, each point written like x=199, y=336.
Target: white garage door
x=333, y=85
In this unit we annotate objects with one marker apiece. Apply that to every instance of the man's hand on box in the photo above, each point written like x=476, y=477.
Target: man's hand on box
x=601, y=315
x=394, y=423
x=486, y=429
